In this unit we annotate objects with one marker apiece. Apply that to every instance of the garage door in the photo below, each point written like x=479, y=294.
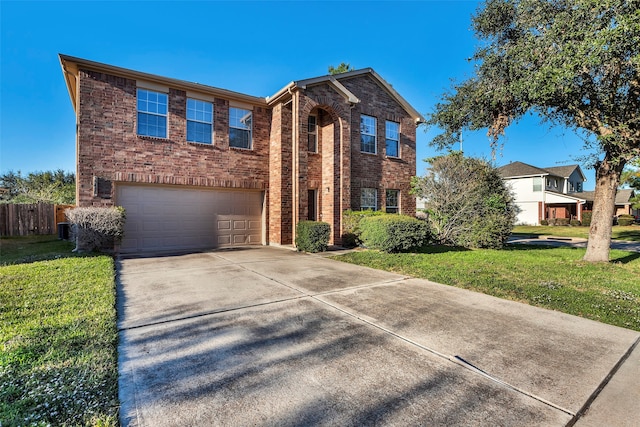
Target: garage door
x=172, y=218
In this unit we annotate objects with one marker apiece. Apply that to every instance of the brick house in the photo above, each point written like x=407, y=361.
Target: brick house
x=198, y=167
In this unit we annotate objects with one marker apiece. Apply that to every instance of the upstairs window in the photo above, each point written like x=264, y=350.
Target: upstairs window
x=367, y=134
x=392, y=197
x=240, y=125
x=368, y=198
x=312, y=130
x=152, y=113
x=537, y=183
x=392, y=130
x=199, y=121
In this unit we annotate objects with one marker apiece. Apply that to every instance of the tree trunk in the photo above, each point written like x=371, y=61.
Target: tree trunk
x=607, y=180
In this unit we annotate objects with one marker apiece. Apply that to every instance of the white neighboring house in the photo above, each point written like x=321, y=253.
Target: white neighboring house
x=545, y=193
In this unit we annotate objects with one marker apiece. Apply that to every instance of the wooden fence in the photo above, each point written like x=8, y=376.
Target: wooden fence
x=28, y=219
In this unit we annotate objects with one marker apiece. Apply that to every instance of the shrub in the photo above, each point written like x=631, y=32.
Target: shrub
x=586, y=218
x=351, y=225
x=96, y=228
x=626, y=219
x=393, y=233
x=562, y=221
x=575, y=223
x=312, y=236
x=544, y=222
x=467, y=201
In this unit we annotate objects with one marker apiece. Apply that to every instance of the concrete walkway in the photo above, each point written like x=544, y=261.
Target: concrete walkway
x=270, y=337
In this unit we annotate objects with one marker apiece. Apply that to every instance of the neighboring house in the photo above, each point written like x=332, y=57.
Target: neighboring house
x=198, y=167
x=545, y=193
x=623, y=202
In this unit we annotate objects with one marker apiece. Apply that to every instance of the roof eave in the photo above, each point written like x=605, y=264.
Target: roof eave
x=167, y=81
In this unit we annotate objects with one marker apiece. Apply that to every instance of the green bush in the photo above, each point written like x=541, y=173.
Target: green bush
x=544, y=222
x=351, y=225
x=312, y=236
x=586, y=218
x=562, y=221
x=625, y=219
x=575, y=223
x=393, y=233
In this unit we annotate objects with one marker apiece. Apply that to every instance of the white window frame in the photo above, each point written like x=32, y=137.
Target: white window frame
x=203, y=121
x=537, y=184
x=312, y=132
x=249, y=129
x=366, y=199
x=153, y=109
x=392, y=135
x=368, y=124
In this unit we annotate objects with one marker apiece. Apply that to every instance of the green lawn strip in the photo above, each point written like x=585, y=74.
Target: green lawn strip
x=553, y=278
x=619, y=232
x=58, y=364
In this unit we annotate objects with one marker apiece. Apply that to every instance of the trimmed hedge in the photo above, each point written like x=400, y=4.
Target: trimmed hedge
x=312, y=236
x=96, y=228
x=586, y=218
x=351, y=225
x=575, y=223
x=562, y=221
x=393, y=233
x=544, y=222
x=626, y=219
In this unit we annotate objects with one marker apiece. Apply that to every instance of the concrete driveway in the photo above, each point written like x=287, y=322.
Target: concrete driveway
x=270, y=337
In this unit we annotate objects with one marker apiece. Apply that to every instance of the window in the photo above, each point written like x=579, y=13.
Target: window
x=392, y=197
x=572, y=188
x=368, y=198
x=393, y=139
x=537, y=183
x=199, y=121
x=579, y=187
x=312, y=129
x=240, y=128
x=152, y=113
x=367, y=134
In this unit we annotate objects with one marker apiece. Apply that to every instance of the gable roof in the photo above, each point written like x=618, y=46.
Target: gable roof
x=71, y=65
x=521, y=170
x=622, y=196
x=565, y=171
x=334, y=80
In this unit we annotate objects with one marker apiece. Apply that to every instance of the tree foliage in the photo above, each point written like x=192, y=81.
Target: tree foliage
x=344, y=67
x=55, y=186
x=467, y=202
x=573, y=62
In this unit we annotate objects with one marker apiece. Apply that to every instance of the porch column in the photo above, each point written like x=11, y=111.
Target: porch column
x=579, y=211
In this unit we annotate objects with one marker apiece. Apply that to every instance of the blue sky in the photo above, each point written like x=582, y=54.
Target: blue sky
x=253, y=47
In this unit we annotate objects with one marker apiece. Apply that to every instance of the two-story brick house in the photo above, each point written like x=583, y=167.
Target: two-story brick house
x=199, y=167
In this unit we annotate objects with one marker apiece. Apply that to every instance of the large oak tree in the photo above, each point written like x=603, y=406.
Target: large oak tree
x=575, y=63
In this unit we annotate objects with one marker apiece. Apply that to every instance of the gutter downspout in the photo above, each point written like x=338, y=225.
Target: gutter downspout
x=295, y=164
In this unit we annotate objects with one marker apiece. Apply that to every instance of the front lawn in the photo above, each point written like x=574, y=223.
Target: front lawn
x=544, y=276
x=620, y=232
x=58, y=364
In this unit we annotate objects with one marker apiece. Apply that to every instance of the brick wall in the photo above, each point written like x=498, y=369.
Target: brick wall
x=110, y=150
x=378, y=170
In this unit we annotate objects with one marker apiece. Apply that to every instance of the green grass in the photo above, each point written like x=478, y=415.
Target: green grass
x=58, y=364
x=543, y=276
x=620, y=232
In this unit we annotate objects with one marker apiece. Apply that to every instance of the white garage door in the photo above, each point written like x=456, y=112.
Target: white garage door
x=173, y=218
